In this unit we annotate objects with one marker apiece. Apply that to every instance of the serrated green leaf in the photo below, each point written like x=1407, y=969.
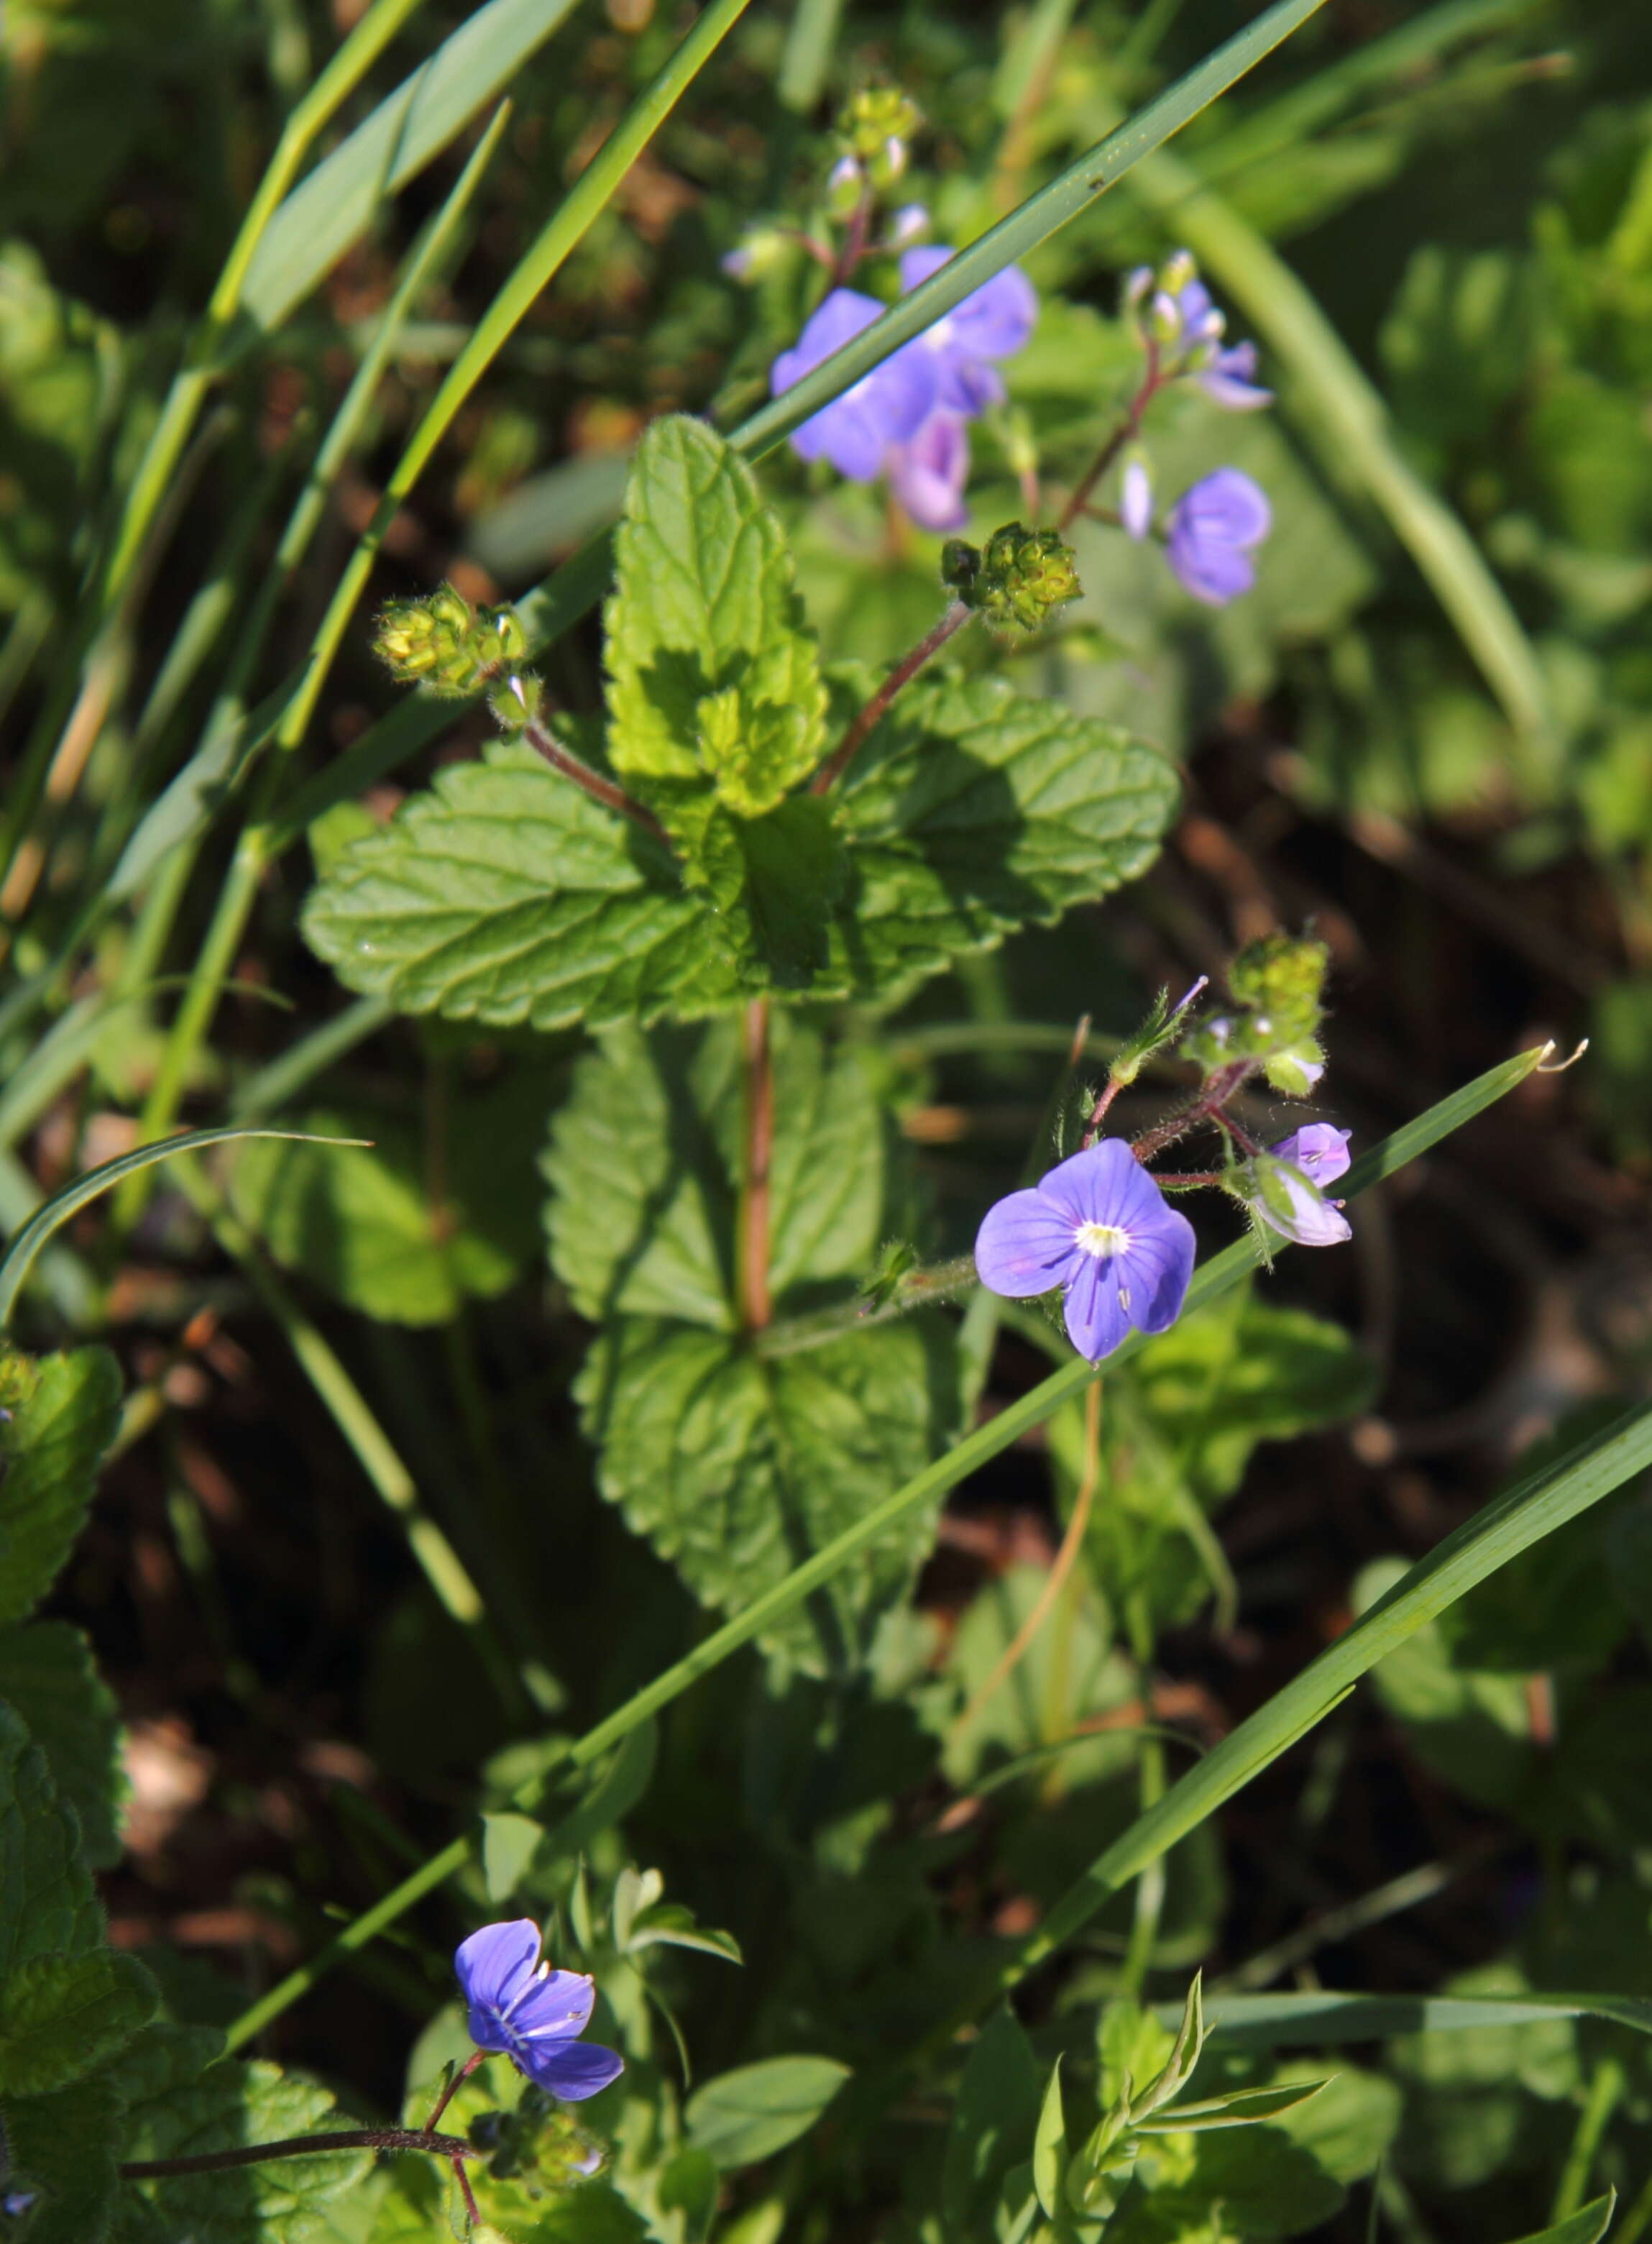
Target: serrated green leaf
x=48, y=1677
x=756, y=2110
x=61, y=1415
x=645, y=1155
x=64, y=2147
x=47, y=1906
x=407, y=1229
x=503, y=894
x=973, y=810
x=711, y=675
x=62, y=2015
x=735, y=1465
x=184, y=2099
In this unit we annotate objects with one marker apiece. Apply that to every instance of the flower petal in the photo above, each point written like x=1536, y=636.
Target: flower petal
x=496, y=1966
x=1025, y=1245
x=927, y=475
x=1319, y=1149
x=554, y=2008
x=1096, y=1319
x=1157, y=1267
x=572, y=2069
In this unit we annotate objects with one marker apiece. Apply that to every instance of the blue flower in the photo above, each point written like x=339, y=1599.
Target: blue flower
x=992, y=323
x=1100, y=1228
x=1213, y=527
x=1228, y=378
x=1136, y=499
x=927, y=473
x=884, y=407
x=1283, y=1185
x=519, y=2008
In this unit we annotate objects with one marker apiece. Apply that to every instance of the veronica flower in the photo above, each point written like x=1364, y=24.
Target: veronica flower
x=928, y=472
x=1136, y=499
x=884, y=407
x=992, y=323
x=1100, y=1228
x=1283, y=1185
x=1212, y=528
x=519, y=2008
x=1228, y=378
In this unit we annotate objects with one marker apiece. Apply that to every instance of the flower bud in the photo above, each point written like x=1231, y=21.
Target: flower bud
x=910, y=224
x=1179, y=268
x=843, y=184
x=443, y=645
x=1017, y=579
x=1281, y=979
x=875, y=119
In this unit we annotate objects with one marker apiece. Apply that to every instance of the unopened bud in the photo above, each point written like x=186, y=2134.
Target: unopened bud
x=845, y=182
x=1179, y=268
x=445, y=646
x=1017, y=580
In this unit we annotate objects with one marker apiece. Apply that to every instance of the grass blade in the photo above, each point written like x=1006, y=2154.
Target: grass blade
x=1320, y=2020
x=53, y=1214
x=1530, y=1511
x=1217, y=1277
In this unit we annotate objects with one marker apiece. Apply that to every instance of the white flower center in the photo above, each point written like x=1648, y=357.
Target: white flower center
x=1104, y=1241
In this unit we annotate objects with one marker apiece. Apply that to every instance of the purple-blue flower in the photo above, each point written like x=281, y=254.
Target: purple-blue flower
x=928, y=472
x=992, y=323
x=884, y=407
x=1318, y=1149
x=1100, y=1228
x=1284, y=1185
x=1136, y=499
x=1212, y=528
x=519, y=2008
x=1230, y=379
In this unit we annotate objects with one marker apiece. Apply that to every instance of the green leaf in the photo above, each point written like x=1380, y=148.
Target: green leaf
x=735, y=1465
x=973, y=810
x=183, y=2099
x=645, y=1155
x=1049, y=2148
x=756, y=2110
x=711, y=675
x=1241, y=2107
x=62, y=2015
x=1538, y=2052
x=65, y=2146
x=62, y=1412
x=1321, y=2018
x=1473, y=1728
x=503, y=894
x=47, y=1676
x=1264, y=2184
x=509, y=1844
x=1587, y=2225
x=995, y=2117
x=1347, y=2125
x=406, y=1230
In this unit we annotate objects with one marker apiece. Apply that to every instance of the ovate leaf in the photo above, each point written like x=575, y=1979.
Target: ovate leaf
x=183, y=2099
x=48, y=1677
x=644, y=1160
x=736, y=1466
x=407, y=1228
x=504, y=895
x=62, y=2151
x=751, y=2113
x=973, y=810
x=62, y=2015
x=994, y=2120
x=711, y=675
x=61, y=1413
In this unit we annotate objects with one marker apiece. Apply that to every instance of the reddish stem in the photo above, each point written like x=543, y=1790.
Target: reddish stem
x=907, y=668
x=1126, y=433
x=753, y=1231
x=303, y=2146
x=1207, y=1107
x=592, y=782
x=452, y=2086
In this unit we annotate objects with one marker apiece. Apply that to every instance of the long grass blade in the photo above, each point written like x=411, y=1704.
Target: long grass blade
x=1217, y=1277
x=53, y=1214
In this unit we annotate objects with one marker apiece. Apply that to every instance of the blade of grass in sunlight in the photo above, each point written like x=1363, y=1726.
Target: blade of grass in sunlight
x=1215, y=1277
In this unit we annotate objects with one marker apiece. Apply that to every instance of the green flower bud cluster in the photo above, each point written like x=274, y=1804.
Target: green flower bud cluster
x=1277, y=985
x=448, y=647
x=1017, y=579
x=876, y=128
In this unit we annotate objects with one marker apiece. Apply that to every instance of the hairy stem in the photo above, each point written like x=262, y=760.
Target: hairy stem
x=752, y=1241
x=303, y=2146
x=1207, y=1107
x=590, y=782
x=907, y=669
